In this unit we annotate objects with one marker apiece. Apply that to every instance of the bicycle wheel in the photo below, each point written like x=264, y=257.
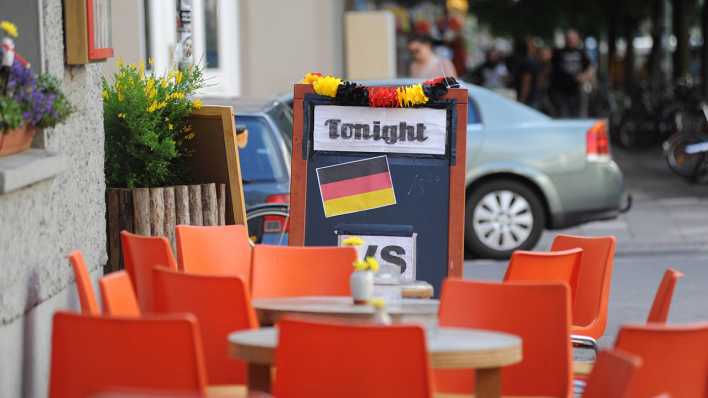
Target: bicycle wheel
x=268, y=223
x=680, y=162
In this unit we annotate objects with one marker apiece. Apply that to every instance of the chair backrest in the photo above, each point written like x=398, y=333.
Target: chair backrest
x=612, y=375
x=215, y=250
x=281, y=271
x=118, y=295
x=674, y=359
x=141, y=254
x=92, y=354
x=592, y=291
x=318, y=360
x=537, y=312
x=659, y=311
x=221, y=304
x=558, y=266
x=87, y=297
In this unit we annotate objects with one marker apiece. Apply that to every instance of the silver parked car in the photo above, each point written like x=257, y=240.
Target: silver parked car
x=527, y=172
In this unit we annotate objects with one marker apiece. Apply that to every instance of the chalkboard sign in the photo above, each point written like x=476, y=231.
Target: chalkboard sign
x=394, y=176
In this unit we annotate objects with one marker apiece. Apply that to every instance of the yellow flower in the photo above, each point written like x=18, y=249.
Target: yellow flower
x=178, y=95
x=197, y=103
x=353, y=241
x=152, y=108
x=104, y=94
x=373, y=264
x=150, y=90
x=163, y=83
x=411, y=95
x=311, y=78
x=360, y=265
x=170, y=126
x=142, y=70
x=120, y=97
x=9, y=28
x=327, y=86
x=178, y=77
x=377, y=303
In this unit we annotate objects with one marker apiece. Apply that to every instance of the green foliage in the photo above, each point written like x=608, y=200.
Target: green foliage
x=10, y=114
x=146, y=125
x=60, y=108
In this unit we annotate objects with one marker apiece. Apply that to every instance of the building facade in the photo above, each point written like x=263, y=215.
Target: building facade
x=56, y=204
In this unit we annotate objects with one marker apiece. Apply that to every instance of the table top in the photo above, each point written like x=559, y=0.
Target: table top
x=452, y=348
x=343, y=305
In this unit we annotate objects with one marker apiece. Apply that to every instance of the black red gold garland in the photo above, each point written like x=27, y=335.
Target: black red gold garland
x=353, y=94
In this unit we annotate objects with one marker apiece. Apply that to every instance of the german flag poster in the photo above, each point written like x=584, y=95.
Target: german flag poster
x=356, y=186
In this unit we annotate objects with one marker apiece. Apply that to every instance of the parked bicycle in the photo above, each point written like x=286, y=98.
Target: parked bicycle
x=686, y=151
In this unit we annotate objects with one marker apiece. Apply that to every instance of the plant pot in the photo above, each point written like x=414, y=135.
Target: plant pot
x=156, y=212
x=362, y=286
x=16, y=140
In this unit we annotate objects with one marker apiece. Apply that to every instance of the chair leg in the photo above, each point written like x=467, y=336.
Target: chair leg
x=584, y=342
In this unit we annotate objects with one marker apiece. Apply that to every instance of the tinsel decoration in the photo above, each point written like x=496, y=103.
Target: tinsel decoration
x=352, y=94
x=383, y=97
x=327, y=86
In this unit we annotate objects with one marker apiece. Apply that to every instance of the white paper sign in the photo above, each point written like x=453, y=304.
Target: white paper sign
x=389, y=130
x=396, y=254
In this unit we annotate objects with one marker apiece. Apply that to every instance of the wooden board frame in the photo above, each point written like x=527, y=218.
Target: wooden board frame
x=456, y=220
x=215, y=156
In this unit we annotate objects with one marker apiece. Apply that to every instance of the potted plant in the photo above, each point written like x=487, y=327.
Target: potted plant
x=361, y=280
x=147, y=125
x=28, y=102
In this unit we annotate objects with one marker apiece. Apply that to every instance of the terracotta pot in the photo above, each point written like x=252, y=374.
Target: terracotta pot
x=362, y=286
x=16, y=140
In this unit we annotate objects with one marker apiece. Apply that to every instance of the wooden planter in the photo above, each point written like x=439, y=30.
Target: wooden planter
x=16, y=140
x=156, y=212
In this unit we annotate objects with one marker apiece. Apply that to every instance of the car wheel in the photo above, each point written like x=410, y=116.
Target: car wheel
x=503, y=216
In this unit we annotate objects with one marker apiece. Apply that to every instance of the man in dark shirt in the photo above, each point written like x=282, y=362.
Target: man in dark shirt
x=570, y=68
x=526, y=81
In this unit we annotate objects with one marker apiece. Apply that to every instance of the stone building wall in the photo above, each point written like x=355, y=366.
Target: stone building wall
x=40, y=224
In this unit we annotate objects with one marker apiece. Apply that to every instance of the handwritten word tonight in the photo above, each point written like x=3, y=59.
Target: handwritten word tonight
x=390, y=134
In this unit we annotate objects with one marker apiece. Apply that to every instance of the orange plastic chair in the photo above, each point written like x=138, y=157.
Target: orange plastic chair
x=592, y=291
x=323, y=360
x=93, y=354
x=674, y=359
x=141, y=254
x=537, y=312
x=222, y=306
x=612, y=375
x=215, y=250
x=557, y=266
x=282, y=271
x=87, y=297
x=118, y=295
x=664, y=294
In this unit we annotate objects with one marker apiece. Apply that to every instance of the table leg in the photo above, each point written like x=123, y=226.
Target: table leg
x=488, y=383
x=259, y=378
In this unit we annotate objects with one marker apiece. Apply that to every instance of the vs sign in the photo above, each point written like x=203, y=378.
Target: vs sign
x=396, y=254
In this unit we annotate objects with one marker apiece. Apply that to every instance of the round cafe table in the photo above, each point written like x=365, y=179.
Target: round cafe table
x=341, y=308
x=448, y=348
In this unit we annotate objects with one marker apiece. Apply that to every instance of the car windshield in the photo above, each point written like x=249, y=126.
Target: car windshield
x=282, y=116
x=261, y=158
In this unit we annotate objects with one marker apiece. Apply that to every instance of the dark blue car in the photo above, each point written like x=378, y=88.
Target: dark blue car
x=265, y=160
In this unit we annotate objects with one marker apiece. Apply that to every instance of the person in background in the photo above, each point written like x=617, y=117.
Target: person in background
x=492, y=73
x=527, y=78
x=426, y=64
x=570, y=68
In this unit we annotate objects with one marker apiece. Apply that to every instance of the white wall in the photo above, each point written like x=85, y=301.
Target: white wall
x=281, y=40
x=40, y=224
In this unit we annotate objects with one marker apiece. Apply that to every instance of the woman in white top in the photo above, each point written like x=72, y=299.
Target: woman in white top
x=426, y=64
